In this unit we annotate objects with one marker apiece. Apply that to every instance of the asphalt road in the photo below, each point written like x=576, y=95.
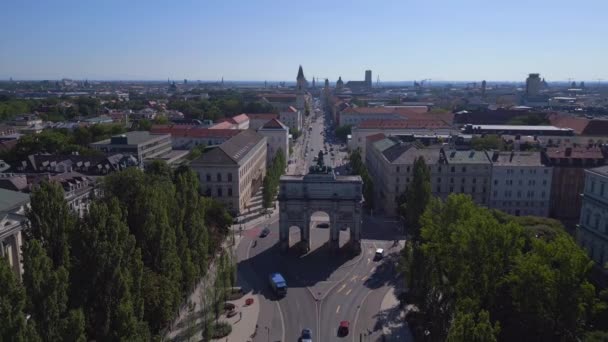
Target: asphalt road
x=323, y=288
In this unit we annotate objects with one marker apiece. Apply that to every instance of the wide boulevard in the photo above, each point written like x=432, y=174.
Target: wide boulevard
x=323, y=288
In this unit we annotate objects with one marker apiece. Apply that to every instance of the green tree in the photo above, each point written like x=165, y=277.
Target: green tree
x=417, y=197
x=106, y=256
x=51, y=222
x=14, y=326
x=471, y=326
x=359, y=168
x=47, y=296
x=342, y=132
x=488, y=142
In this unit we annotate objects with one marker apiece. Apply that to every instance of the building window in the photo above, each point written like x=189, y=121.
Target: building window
x=219, y=177
x=464, y=169
x=229, y=192
x=230, y=176
x=397, y=168
x=596, y=222
x=451, y=189
x=592, y=186
x=397, y=180
x=546, y=171
x=463, y=180
x=602, y=189
x=453, y=169
x=219, y=192
x=474, y=180
x=208, y=177
x=518, y=194
x=462, y=189
x=496, y=182
x=587, y=217
x=439, y=190
x=408, y=169
x=438, y=168
x=438, y=180
x=451, y=180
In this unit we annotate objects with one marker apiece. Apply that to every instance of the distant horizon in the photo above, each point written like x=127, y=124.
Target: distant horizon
x=320, y=82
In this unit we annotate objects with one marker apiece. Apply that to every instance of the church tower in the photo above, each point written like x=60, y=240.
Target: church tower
x=302, y=84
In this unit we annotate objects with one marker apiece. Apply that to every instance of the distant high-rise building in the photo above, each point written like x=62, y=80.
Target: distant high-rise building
x=483, y=88
x=368, y=78
x=326, y=83
x=533, y=85
x=313, y=82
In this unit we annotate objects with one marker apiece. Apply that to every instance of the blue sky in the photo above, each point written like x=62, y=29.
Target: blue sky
x=267, y=40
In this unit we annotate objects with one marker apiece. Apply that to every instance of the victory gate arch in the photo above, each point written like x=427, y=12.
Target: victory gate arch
x=338, y=196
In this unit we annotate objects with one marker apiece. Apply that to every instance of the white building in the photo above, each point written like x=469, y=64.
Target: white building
x=12, y=218
x=521, y=183
x=292, y=118
x=592, y=232
x=277, y=137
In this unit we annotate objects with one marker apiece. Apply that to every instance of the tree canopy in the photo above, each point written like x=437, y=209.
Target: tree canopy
x=476, y=278
x=121, y=271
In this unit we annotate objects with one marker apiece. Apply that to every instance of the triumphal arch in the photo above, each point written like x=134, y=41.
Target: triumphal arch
x=321, y=190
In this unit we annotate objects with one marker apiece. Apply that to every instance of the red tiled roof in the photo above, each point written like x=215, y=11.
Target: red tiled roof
x=262, y=116
x=386, y=110
x=222, y=125
x=566, y=121
x=375, y=137
x=240, y=118
x=274, y=123
x=577, y=152
x=431, y=123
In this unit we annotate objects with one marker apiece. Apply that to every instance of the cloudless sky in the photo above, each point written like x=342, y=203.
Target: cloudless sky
x=267, y=40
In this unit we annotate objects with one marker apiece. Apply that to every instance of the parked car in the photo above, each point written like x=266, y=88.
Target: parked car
x=343, y=328
x=323, y=225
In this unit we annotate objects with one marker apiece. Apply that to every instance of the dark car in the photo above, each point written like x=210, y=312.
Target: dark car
x=306, y=335
x=323, y=225
x=343, y=328
x=264, y=232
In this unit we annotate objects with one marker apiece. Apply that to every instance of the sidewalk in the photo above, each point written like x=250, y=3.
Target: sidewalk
x=395, y=328
x=244, y=322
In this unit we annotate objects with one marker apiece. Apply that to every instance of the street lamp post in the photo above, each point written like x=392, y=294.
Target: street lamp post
x=268, y=330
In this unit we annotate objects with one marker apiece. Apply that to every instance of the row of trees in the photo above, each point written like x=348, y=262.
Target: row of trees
x=476, y=274
x=272, y=178
x=62, y=141
x=121, y=271
x=359, y=168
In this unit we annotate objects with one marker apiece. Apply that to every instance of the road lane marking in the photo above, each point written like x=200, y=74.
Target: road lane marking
x=372, y=270
x=369, y=260
x=282, y=321
x=364, y=279
x=341, y=288
x=338, y=309
x=357, y=314
x=353, y=278
x=348, y=292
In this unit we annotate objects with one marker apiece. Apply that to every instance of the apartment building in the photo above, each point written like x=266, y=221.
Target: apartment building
x=277, y=138
x=391, y=165
x=592, y=230
x=141, y=144
x=292, y=118
x=233, y=171
x=569, y=164
x=521, y=183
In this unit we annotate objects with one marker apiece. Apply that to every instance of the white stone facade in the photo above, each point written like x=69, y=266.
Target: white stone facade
x=521, y=184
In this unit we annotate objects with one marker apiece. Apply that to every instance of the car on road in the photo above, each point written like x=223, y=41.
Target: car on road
x=264, y=232
x=379, y=254
x=343, y=328
x=306, y=335
x=323, y=225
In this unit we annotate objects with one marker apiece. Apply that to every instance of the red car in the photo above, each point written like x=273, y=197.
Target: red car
x=343, y=328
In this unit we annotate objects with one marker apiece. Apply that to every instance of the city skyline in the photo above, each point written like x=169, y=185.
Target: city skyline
x=267, y=40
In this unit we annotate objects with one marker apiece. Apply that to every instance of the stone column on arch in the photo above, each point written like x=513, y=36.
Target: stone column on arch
x=305, y=229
